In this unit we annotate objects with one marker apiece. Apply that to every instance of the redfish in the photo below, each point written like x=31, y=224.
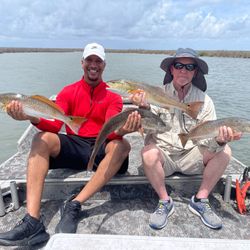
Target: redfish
x=210, y=129
x=155, y=95
x=41, y=107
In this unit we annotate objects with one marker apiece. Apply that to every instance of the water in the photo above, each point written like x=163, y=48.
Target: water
x=47, y=73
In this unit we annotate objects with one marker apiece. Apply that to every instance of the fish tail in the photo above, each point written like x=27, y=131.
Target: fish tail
x=141, y=131
x=136, y=91
x=184, y=138
x=93, y=155
x=91, y=163
x=75, y=123
x=193, y=109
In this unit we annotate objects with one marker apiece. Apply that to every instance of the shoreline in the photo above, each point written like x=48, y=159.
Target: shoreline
x=207, y=53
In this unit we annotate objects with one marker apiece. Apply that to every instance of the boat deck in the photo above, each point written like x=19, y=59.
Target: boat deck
x=123, y=206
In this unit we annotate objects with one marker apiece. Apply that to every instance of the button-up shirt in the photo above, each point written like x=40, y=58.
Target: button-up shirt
x=182, y=123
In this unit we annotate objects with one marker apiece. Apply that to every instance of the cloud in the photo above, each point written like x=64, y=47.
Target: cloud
x=122, y=22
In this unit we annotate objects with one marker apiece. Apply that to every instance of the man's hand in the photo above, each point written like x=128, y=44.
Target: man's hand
x=139, y=99
x=226, y=134
x=132, y=124
x=15, y=110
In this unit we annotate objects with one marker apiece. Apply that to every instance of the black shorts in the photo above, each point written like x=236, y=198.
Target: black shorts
x=75, y=153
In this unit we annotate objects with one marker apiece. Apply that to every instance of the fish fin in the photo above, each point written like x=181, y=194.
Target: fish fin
x=47, y=101
x=184, y=138
x=136, y=91
x=75, y=123
x=141, y=131
x=194, y=109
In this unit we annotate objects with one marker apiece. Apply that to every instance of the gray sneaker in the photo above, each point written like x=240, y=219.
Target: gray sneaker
x=205, y=212
x=159, y=218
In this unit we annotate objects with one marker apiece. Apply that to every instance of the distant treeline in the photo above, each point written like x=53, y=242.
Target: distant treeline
x=209, y=53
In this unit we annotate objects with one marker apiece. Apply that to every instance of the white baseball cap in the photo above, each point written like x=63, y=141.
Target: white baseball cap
x=94, y=49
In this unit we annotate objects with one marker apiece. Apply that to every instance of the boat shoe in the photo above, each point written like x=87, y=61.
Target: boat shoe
x=29, y=231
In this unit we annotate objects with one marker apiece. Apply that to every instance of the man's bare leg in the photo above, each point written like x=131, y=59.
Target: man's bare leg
x=44, y=145
x=116, y=153
x=216, y=164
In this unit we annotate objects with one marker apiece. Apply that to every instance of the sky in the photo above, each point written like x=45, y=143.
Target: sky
x=126, y=24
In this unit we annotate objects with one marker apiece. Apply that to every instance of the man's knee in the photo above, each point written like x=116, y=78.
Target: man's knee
x=150, y=156
x=226, y=153
x=150, y=151
x=121, y=146
x=125, y=146
x=46, y=142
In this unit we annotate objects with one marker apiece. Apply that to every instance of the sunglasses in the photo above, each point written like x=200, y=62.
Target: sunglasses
x=188, y=67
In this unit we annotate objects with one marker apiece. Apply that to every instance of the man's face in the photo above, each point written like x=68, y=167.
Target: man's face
x=182, y=76
x=93, y=67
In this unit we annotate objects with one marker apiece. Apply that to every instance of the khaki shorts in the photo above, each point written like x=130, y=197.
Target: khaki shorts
x=189, y=163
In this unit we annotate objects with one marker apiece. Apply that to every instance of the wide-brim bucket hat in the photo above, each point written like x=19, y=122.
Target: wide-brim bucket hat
x=202, y=67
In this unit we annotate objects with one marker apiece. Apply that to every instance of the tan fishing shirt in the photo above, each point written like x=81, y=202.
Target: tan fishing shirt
x=182, y=123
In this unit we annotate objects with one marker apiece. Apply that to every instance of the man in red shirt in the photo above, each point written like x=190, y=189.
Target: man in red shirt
x=87, y=98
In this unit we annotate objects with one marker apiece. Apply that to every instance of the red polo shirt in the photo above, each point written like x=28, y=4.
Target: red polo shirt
x=97, y=104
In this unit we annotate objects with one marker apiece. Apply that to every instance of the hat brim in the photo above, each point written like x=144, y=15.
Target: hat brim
x=94, y=53
x=199, y=80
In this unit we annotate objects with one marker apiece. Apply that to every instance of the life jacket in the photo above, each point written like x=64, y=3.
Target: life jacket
x=241, y=191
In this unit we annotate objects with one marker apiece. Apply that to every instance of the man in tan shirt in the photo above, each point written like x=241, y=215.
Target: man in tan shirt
x=164, y=154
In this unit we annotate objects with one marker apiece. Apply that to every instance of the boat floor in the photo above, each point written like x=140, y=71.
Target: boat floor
x=124, y=207
x=130, y=217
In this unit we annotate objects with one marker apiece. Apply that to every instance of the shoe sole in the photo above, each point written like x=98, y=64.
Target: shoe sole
x=198, y=214
x=158, y=228
x=26, y=241
x=38, y=240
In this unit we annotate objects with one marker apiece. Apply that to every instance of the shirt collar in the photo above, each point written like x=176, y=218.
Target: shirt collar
x=171, y=89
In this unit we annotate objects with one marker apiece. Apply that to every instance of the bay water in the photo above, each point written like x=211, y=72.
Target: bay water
x=46, y=74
